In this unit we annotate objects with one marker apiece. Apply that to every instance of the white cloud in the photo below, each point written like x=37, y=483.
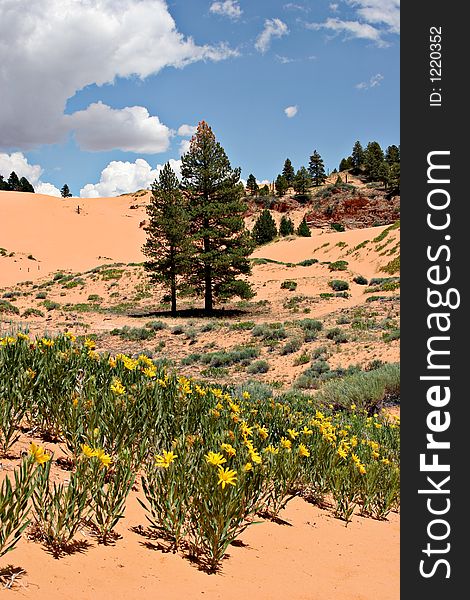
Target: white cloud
x=187, y=130
x=352, y=29
x=130, y=129
x=16, y=161
x=48, y=189
x=120, y=177
x=293, y=6
x=227, y=8
x=385, y=12
x=291, y=111
x=51, y=49
x=375, y=18
x=184, y=147
x=373, y=82
x=284, y=60
x=273, y=28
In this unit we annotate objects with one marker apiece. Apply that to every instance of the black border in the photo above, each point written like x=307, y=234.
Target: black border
x=426, y=128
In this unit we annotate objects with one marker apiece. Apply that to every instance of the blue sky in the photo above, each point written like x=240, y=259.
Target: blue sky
x=105, y=92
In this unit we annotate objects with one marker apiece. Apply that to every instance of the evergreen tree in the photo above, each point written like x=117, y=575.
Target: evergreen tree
x=384, y=174
x=286, y=226
x=288, y=172
x=303, y=229
x=3, y=184
x=264, y=191
x=14, y=182
x=302, y=181
x=168, y=246
x=281, y=185
x=264, y=229
x=220, y=242
x=394, y=181
x=357, y=156
x=316, y=168
x=25, y=186
x=373, y=158
x=346, y=164
x=65, y=191
x=251, y=184
x=392, y=155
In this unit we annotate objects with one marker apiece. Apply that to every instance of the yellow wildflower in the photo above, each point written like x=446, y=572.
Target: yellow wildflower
x=307, y=431
x=226, y=477
x=293, y=433
x=22, y=336
x=303, y=450
x=385, y=461
x=104, y=458
x=271, y=449
x=117, y=387
x=246, y=395
x=248, y=467
x=217, y=392
x=229, y=449
x=245, y=429
x=90, y=344
x=31, y=374
x=46, y=342
x=70, y=336
x=342, y=452
x=112, y=362
x=39, y=454
x=263, y=432
x=215, y=458
x=87, y=451
x=255, y=457
x=234, y=407
x=285, y=443
x=353, y=407
x=361, y=468
x=166, y=459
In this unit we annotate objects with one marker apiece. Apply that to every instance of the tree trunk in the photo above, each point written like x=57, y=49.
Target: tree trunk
x=208, y=299
x=173, y=294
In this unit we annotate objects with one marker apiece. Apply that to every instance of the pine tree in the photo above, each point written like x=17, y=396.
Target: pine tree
x=65, y=191
x=286, y=226
x=251, y=184
x=316, y=168
x=392, y=155
x=346, y=164
x=168, y=246
x=373, y=158
x=220, y=242
x=288, y=172
x=281, y=185
x=25, y=186
x=264, y=229
x=303, y=229
x=14, y=182
x=384, y=174
x=302, y=181
x=394, y=181
x=357, y=156
x=3, y=184
x=264, y=191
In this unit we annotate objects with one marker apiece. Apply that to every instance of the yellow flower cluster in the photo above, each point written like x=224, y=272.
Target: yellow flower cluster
x=99, y=453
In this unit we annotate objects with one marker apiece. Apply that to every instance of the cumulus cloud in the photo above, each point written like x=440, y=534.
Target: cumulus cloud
x=130, y=129
x=273, y=28
x=375, y=18
x=228, y=8
x=16, y=161
x=293, y=6
x=120, y=177
x=184, y=147
x=51, y=49
x=187, y=130
x=291, y=111
x=373, y=82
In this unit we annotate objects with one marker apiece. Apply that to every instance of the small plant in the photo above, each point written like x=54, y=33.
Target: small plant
x=291, y=346
x=289, y=285
x=303, y=359
x=389, y=336
x=8, y=307
x=337, y=335
x=307, y=262
x=50, y=305
x=339, y=265
x=41, y=296
x=337, y=226
x=32, y=312
x=338, y=285
x=258, y=366
x=360, y=280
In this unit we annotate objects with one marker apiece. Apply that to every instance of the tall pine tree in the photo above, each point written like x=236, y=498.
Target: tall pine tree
x=220, y=242
x=302, y=181
x=168, y=246
x=373, y=159
x=14, y=182
x=251, y=184
x=264, y=230
x=357, y=156
x=25, y=186
x=65, y=191
x=286, y=226
x=316, y=168
x=281, y=185
x=288, y=172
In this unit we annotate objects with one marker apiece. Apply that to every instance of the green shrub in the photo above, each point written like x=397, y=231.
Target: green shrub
x=269, y=331
x=303, y=359
x=338, y=285
x=8, y=307
x=338, y=265
x=156, y=325
x=389, y=336
x=41, y=296
x=134, y=333
x=326, y=295
x=307, y=262
x=360, y=280
x=291, y=346
x=337, y=335
x=50, y=305
x=32, y=312
x=289, y=285
x=241, y=326
x=259, y=366
x=392, y=267
x=337, y=226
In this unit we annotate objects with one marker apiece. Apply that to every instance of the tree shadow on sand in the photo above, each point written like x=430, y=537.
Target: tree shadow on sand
x=189, y=313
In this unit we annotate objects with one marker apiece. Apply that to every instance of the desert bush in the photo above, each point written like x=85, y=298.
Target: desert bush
x=307, y=262
x=389, y=336
x=291, y=346
x=338, y=265
x=338, y=285
x=8, y=307
x=360, y=280
x=288, y=284
x=32, y=312
x=258, y=366
x=134, y=333
x=337, y=335
x=269, y=331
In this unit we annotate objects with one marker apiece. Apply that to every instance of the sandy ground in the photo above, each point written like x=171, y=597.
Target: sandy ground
x=314, y=557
